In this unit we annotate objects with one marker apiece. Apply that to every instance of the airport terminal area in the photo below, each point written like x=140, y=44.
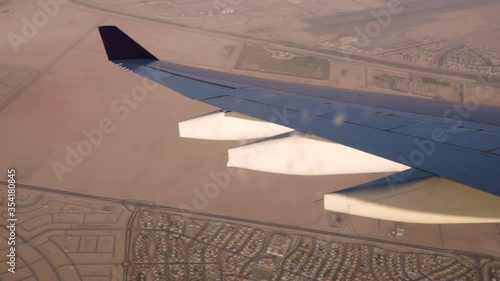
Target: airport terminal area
x=106, y=189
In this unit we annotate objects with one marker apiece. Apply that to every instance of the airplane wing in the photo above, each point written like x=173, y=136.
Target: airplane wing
x=462, y=152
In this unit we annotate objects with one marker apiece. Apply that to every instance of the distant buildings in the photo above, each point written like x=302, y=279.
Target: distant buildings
x=460, y=56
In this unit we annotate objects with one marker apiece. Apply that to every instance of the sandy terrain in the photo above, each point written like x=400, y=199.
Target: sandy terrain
x=144, y=158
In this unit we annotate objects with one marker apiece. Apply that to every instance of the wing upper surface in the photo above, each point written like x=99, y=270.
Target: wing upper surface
x=468, y=153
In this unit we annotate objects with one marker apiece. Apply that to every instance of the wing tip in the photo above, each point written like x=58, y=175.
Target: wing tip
x=119, y=46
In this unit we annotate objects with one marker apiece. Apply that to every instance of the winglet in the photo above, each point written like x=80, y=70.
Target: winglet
x=119, y=46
